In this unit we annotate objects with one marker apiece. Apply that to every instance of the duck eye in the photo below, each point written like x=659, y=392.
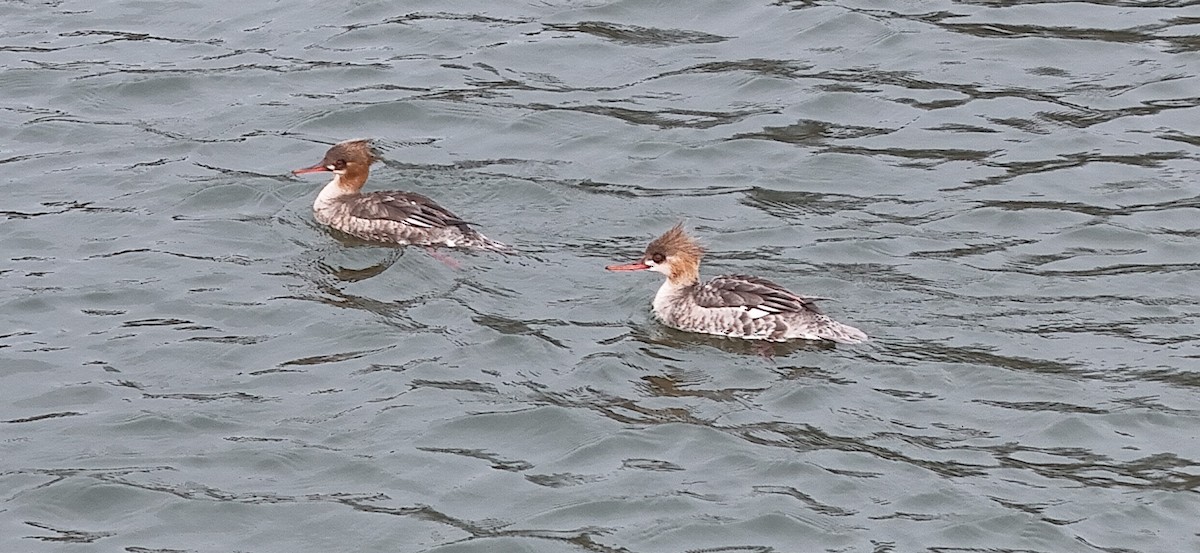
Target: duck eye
x=658, y=257
x=340, y=164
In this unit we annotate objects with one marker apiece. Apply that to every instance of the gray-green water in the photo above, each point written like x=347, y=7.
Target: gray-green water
x=1003, y=194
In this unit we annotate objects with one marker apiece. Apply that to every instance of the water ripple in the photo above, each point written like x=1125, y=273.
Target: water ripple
x=1000, y=192
x=638, y=36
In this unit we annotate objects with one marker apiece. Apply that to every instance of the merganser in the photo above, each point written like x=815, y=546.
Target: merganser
x=389, y=216
x=738, y=306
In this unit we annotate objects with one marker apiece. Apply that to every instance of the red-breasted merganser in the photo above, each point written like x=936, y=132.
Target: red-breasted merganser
x=390, y=216
x=739, y=306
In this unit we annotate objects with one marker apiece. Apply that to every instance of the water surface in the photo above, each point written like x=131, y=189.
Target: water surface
x=1003, y=194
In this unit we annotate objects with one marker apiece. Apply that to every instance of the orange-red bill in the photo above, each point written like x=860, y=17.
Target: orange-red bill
x=629, y=267
x=314, y=169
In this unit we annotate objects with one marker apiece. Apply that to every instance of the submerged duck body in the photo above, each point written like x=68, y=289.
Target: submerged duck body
x=738, y=306
x=393, y=217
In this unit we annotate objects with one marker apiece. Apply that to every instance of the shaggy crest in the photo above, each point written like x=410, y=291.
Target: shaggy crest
x=350, y=150
x=681, y=252
x=675, y=242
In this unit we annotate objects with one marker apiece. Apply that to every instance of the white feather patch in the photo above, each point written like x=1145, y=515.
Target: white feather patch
x=756, y=313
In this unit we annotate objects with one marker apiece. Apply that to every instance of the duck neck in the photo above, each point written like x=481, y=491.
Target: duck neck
x=684, y=274
x=333, y=190
x=342, y=185
x=672, y=293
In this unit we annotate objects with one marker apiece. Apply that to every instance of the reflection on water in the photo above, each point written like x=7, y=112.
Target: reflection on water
x=1002, y=194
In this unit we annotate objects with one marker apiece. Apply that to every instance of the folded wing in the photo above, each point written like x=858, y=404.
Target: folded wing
x=406, y=208
x=759, y=297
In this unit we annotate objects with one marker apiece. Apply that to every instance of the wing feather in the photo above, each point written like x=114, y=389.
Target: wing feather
x=759, y=297
x=404, y=207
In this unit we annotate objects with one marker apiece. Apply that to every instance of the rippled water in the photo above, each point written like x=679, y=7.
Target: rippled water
x=1003, y=194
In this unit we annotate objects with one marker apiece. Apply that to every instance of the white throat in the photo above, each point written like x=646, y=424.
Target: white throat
x=331, y=191
x=666, y=296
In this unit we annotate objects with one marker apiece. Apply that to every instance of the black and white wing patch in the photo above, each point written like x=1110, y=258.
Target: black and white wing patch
x=759, y=297
x=405, y=208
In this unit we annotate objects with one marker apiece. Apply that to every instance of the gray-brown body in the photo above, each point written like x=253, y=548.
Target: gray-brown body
x=403, y=218
x=748, y=307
